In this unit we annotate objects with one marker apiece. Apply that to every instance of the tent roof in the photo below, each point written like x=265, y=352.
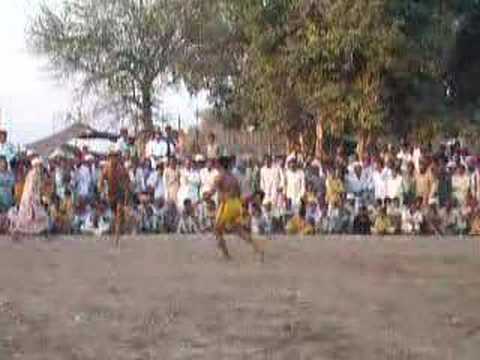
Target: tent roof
x=46, y=146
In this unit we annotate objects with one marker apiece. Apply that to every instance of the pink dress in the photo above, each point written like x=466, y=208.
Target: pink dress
x=32, y=218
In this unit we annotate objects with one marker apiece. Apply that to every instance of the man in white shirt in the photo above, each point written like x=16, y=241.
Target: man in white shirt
x=208, y=175
x=356, y=181
x=170, y=141
x=84, y=178
x=270, y=180
x=156, y=148
x=460, y=185
x=380, y=177
x=394, y=184
x=294, y=183
x=357, y=185
x=122, y=141
x=155, y=182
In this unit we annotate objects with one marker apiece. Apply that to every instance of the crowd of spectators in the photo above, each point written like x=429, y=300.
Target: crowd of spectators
x=403, y=189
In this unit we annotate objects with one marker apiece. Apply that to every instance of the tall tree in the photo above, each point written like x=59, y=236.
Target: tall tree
x=125, y=49
x=362, y=67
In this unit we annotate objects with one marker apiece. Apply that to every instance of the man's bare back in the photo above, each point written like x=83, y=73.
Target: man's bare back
x=227, y=186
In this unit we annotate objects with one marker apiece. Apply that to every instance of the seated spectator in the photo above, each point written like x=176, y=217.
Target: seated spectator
x=338, y=218
x=268, y=219
x=187, y=223
x=145, y=213
x=383, y=224
x=433, y=220
x=256, y=220
x=362, y=223
x=475, y=223
x=298, y=225
x=394, y=211
x=158, y=216
x=207, y=214
x=412, y=219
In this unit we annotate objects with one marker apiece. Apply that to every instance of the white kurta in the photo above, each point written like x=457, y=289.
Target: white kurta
x=394, y=187
x=379, y=182
x=139, y=179
x=156, y=182
x=355, y=184
x=156, y=149
x=270, y=182
x=189, y=186
x=460, y=187
x=83, y=181
x=295, y=186
x=207, y=179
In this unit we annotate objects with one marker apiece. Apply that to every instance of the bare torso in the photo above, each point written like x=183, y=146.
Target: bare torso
x=227, y=186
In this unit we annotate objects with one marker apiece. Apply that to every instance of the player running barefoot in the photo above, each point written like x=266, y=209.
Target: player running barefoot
x=118, y=186
x=230, y=211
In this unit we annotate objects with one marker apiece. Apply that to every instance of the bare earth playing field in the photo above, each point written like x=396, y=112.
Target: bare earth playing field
x=175, y=298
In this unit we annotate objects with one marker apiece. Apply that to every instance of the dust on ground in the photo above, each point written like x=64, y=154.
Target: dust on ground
x=175, y=298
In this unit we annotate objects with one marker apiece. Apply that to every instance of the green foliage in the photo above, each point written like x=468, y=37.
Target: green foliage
x=362, y=66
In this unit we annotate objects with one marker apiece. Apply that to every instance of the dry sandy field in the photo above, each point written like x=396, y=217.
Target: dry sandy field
x=176, y=298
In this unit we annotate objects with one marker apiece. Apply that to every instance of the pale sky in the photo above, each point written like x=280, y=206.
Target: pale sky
x=30, y=97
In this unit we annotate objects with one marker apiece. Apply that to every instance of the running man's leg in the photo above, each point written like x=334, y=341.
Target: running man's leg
x=221, y=243
x=117, y=224
x=247, y=237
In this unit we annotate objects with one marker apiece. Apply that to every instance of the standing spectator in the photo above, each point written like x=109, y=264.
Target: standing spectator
x=213, y=148
x=270, y=180
x=155, y=182
x=156, y=148
x=83, y=178
x=380, y=177
x=189, y=184
x=172, y=181
x=294, y=183
x=460, y=185
x=207, y=177
x=7, y=150
x=7, y=183
x=32, y=219
x=394, y=184
x=122, y=143
x=334, y=187
x=170, y=141
x=423, y=183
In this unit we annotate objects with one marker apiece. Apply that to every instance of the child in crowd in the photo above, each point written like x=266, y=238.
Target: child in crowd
x=267, y=219
x=187, y=223
x=383, y=224
x=298, y=225
x=412, y=219
x=256, y=220
x=145, y=213
x=362, y=223
x=158, y=215
x=394, y=211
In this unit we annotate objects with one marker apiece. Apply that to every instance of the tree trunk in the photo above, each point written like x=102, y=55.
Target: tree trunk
x=147, y=104
x=363, y=143
x=319, y=131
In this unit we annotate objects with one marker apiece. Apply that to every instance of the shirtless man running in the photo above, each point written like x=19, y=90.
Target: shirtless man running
x=230, y=211
x=115, y=176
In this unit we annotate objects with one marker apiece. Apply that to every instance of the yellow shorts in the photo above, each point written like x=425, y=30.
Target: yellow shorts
x=230, y=213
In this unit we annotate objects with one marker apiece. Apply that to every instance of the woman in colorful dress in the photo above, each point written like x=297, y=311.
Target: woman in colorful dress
x=32, y=218
x=7, y=183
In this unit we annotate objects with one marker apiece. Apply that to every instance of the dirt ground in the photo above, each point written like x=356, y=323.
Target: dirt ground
x=176, y=298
